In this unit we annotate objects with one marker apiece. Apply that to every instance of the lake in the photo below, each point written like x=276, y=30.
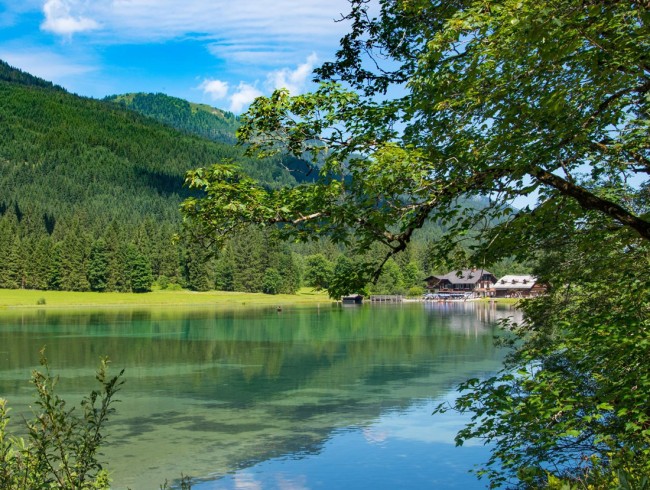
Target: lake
x=325, y=397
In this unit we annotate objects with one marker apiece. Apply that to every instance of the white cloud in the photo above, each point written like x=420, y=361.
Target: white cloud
x=59, y=20
x=216, y=89
x=244, y=95
x=293, y=80
x=271, y=32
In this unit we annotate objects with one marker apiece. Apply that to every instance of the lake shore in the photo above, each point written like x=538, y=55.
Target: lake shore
x=35, y=299
x=12, y=299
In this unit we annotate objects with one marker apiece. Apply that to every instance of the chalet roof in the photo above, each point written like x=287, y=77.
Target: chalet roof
x=515, y=282
x=466, y=276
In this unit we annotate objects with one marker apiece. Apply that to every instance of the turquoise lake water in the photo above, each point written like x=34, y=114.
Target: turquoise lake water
x=324, y=397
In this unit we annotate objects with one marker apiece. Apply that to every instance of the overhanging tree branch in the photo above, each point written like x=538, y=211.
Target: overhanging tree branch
x=590, y=201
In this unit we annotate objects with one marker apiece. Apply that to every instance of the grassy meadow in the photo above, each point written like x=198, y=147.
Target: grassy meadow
x=25, y=298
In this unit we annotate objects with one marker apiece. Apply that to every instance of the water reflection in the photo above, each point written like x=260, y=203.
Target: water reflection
x=211, y=392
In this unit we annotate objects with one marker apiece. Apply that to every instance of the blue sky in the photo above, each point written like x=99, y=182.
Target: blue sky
x=212, y=51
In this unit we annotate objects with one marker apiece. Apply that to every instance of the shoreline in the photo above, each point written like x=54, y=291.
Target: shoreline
x=31, y=299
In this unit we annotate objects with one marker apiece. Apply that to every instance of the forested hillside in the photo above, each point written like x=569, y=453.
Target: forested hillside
x=204, y=121
x=199, y=119
x=89, y=191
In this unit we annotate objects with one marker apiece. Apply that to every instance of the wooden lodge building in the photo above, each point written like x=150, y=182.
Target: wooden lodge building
x=477, y=282
x=481, y=283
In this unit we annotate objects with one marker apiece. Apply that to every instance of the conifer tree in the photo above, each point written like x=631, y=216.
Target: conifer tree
x=98, y=266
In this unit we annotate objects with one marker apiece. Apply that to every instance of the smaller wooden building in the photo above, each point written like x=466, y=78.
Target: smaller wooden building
x=513, y=286
x=354, y=299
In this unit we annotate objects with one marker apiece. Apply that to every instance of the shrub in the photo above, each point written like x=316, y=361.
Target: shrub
x=61, y=449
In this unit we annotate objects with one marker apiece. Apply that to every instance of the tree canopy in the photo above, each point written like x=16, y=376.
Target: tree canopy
x=499, y=99
x=429, y=102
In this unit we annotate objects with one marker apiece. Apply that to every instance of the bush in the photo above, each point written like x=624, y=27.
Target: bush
x=163, y=282
x=61, y=449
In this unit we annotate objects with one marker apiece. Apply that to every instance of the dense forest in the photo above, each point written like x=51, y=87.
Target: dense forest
x=90, y=191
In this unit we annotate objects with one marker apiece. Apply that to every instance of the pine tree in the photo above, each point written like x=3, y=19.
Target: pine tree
x=140, y=271
x=224, y=269
x=98, y=266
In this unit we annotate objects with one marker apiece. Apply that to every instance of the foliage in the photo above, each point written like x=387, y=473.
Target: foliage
x=272, y=282
x=141, y=276
x=391, y=280
x=572, y=399
x=416, y=291
x=62, y=448
x=348, y=277
x=430, y=102
x=484, y=113
x=318, y=271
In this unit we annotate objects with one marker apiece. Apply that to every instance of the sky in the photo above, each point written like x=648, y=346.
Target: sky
x=223, y=53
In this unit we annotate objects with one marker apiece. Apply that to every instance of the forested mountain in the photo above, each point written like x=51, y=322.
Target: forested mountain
x=200, y=119
x=60, y=153
x=89, y=191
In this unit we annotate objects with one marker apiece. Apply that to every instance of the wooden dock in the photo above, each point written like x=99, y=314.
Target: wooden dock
x=386, y=298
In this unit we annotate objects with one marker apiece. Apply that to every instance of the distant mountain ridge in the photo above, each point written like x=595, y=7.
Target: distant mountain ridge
x=199, y=119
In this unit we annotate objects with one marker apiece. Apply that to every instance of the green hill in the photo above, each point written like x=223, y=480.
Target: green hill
x=60, y=153
x=199, y=119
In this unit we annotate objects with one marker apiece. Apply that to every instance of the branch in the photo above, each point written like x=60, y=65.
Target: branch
x=590, y=201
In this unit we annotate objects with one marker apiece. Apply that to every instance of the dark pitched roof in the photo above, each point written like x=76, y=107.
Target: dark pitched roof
x=466, y=276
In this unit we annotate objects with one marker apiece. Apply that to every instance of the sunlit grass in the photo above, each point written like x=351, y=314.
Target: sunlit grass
x=20, y=298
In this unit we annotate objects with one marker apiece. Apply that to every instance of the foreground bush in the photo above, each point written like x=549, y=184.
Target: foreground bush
x=61, y=447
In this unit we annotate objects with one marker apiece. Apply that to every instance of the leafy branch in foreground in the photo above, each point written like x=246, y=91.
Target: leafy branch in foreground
x=571, y=401
x=498, y=102
x=429, y=102
x=62, y=449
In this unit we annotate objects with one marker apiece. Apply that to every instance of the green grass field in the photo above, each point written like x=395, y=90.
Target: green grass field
x=19, y=298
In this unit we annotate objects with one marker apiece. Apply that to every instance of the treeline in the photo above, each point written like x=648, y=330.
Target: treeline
x=14, y=75
x=82, y=254
x=74, y=255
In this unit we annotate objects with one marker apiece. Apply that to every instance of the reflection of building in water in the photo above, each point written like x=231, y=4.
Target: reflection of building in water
x=461, y=317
